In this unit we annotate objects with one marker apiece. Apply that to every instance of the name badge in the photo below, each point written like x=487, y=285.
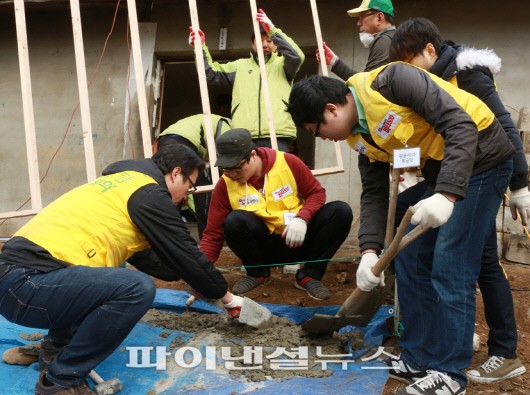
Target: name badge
x=407, y=157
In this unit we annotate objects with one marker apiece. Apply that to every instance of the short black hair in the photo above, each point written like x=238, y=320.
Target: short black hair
x=412, y=36
x=173, y=155
x=310, y=95
x=262, y=31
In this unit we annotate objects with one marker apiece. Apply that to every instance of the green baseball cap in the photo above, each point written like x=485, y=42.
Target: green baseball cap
x=376, y=5
x=232, y=147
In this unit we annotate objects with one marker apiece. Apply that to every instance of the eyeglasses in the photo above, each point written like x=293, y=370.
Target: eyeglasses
x=235, y=168
x=192, y=189
x=362, y=16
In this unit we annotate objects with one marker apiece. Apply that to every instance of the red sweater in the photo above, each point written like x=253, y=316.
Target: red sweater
x=308, y=187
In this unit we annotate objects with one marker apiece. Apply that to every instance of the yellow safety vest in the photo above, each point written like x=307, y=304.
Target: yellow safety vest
x=280, y=196
x=103, y=234
x=394, y=127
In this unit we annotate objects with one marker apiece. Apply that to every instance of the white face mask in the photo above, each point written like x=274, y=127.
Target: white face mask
x=366, y=38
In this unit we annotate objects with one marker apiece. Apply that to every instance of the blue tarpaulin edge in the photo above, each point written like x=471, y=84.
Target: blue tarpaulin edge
x=365, y=378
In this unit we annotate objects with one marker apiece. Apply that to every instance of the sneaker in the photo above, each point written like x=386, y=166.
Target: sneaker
x=314, y=288
x=291, y=269
x=435, y=383
x=42, y=389
x=496, y=369
x=48, y=352
x=402, y=371
x=247, y=283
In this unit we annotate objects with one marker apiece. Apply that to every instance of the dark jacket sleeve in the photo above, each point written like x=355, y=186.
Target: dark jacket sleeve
x=342, y=70
x=155, y=215
x=374, y=203
x=148, y=262
x=290, y=51
x=411, y=87
x=479, y=82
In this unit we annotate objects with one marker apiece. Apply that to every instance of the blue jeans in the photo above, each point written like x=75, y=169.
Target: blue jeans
x=437, y=286
x=91, y=310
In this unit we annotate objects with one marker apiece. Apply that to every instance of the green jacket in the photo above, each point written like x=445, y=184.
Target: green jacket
x=192, y=128
x=248, y=106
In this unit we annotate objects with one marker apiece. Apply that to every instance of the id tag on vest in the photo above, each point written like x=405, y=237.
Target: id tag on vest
x=406, y=157
x=287, y=217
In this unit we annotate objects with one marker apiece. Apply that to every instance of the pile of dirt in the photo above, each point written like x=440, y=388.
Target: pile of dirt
x=284, y=335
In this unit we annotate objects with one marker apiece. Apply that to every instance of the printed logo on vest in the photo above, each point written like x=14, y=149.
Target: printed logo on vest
x=388, y=124
x=248, y=201
x=282, y=192
x=360, y=147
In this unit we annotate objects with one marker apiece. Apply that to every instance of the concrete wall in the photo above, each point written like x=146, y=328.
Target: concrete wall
x=506, y=30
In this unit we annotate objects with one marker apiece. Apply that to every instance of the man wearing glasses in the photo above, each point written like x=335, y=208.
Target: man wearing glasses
x=376, y=29
x=61, y=271
x=271, y=211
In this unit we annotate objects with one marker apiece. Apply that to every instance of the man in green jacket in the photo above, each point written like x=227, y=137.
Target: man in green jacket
x=283, y=59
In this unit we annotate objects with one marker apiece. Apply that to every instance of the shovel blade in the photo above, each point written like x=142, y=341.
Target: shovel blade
x=323, y=324
x=254, y=314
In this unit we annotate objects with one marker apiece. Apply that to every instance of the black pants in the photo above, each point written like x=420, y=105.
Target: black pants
x=249, y=238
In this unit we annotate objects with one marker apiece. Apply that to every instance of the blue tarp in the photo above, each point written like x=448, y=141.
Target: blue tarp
x=358, y=378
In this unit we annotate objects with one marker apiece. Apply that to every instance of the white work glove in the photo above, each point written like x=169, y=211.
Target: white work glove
x=294, y=233
x=520, y=201
x=191, y=39
x=433, y=211
x=262, y=18
x=366, y=280
x=331, y=58
x=234, y=306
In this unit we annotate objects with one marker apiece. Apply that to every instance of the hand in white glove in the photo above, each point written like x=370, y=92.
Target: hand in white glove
x=191, y=39
x=520, y=201
x=366, y=280
x=294, y=233
x=234, y=306
x=262, y=18
x=331, y=58
x=433, y=211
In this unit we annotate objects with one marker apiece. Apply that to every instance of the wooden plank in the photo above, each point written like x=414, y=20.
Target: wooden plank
x=86, y=123
x=21, y=213
x=205, y=100
x=139, y=75
x=263, y=72
x=27, y=105
x=324, y=68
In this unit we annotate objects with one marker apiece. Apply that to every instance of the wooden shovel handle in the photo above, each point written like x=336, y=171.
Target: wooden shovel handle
x=398, y=243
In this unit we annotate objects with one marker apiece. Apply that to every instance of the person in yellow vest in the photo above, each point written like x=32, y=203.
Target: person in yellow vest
x=191, y=132
x=61, y=271
x=271, y=210
x=283, y=59
x=399, y=111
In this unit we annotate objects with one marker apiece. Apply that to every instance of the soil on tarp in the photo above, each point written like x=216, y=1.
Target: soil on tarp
x=270, y=344
x=340, y=280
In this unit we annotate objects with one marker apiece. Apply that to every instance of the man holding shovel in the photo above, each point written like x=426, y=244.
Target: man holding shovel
x=271, y=209
x=399, y=112
x=61, y=271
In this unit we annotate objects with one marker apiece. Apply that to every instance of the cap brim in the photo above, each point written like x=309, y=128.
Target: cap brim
x=229, y=161
x=356, y=11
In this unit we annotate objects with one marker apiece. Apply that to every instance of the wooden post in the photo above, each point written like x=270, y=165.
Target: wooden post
x=210, y=140
x=139, y=74
x=27, y=105
x=83, y=91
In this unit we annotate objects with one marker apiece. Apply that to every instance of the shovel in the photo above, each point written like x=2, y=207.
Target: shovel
x=252, y=313
x=321, y=323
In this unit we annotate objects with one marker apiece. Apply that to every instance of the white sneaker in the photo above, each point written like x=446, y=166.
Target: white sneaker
x=435, y=383
x=496, y=369
x=290, y=269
